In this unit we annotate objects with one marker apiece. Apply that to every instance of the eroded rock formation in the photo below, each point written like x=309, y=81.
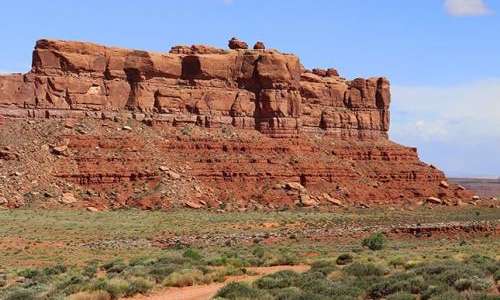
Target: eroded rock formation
x=313, y=127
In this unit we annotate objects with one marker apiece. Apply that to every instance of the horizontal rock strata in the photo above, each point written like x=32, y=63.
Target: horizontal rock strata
x=312, y=127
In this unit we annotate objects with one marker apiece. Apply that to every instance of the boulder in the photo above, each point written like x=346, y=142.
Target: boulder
x=193, y=205
x=296, y=186
x=307, y=201
x=259, y=46
x=444, y=184
x=332, y=200
x=434, y=200
x=235, y=44
x=59, y=150
x=68, y=198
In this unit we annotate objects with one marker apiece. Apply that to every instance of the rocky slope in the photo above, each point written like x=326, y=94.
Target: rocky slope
x=200, y=126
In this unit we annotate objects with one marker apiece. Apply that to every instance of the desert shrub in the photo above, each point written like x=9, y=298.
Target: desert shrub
x=241, y=291
x=288, y=293
x=324, y=266
x=232, y=270
x=116, y=266
x=29, y=273
x=70, y=284
x=138, y=286
x=497, y=275
x=259, y=252
x=398, y=262
x=476, y=284
x=97, y=295
x=142, y=261
x=481, y=296
x=344, y=259
x=187, y=130
x=192, y=254
x=55, y=270
x=21, y=294
x=116, y=287
x=173, y=259
x=90, y=269
x=402, y=296
x=276, y=280
x=485, y=263
x=448, y=272
x=284, y=258
x=447, y=295
x=160, y=271
x=406, y=282
x=136, y=271
x=314, y=282
x=187, y=277
x=374, y=242
x=364, y=270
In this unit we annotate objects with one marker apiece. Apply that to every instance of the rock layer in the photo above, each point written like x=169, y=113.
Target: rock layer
x=313, y=127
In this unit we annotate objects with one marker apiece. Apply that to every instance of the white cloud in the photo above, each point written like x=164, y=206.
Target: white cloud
x=228, y=2
x=448, y=112
x=467, y=7
x=455, y=127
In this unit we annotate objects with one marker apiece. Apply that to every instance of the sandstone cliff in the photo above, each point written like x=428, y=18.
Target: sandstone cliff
x=287, y=125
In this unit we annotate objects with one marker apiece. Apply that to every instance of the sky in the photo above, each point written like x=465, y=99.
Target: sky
x=442, y=56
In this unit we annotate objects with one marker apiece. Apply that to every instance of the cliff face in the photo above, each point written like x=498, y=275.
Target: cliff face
x=261, y=89
x=292, y=125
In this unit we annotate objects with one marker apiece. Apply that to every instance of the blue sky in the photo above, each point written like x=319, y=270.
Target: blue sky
x=442, y=56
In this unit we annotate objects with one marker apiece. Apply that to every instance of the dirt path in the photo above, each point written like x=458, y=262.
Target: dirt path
x=205, y=292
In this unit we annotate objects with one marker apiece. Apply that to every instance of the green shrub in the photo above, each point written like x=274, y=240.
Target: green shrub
x=55, y=270
x=288, y=293
x=344, y=259
x=497, y=275
x=241, y=291
x=475, y=284
x=398, y=262
x=21, y=294
x=116, y=287
x=364, y=270
x=405, y=282
x=259, y=252
x=116, y=266
x=324, y=266
x=192, y=254
x=314, y=282
x=90, y=269
x=29, y=273
x=402, y=296
x=447, y=295
x=141, y=261
x=138, y=286
x=161, y=271
x=187, y=277
x=375, y=241
x=277, y=280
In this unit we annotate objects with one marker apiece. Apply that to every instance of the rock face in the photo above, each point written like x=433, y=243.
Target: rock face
x=261, y=92
x=264, y=90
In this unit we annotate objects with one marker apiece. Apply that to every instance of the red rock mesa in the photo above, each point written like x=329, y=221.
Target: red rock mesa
x=201, y=126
